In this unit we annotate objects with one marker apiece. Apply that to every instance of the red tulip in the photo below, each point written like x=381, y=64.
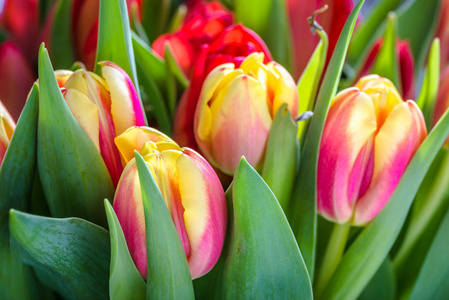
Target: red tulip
x=232, y=46
x=203, y=24
x=16, y=78
x=332, y=21
x=442, y=32
x=406, y=64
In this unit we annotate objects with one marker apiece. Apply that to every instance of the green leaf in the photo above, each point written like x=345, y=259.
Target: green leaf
x=264, y=260
x=19, y=164
x=153, y=66
x=61, y=36
x=369, y=250
x=369, y=30
x=310, y=79
x=270, y=21
x=168, y=271
x=70, y=256
x=420, y=37
x=155, y=17
x=432, y=279
x=281, y=156
x=174, y=68
x=386, y=63
x=155, y=100
x=303, y=202
x=429, y=89
x=114, y=39
x=73, y=174
x=125, y=281
x=382, y=285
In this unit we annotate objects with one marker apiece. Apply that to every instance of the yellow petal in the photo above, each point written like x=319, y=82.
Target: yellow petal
x=86, y=113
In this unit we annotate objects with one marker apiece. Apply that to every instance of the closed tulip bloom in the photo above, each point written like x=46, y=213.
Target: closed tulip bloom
x=236, y=109
x=104, y=106
x=369, y=138
x=7, y=126
x=191, y=190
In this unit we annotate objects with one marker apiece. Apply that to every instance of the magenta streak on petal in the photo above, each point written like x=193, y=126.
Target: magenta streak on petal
x=128, y=207
x=203, y=259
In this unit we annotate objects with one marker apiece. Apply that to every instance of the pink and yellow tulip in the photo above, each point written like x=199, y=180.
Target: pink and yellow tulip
x=104, y=106
x=7, y=126
x=190, y=188
x=236, y=109
x=369, y=137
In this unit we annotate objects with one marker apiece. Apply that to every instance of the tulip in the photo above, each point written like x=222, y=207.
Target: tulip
x=406, y=64
x=203, y=24
x=104, y=106
x=191, y=190
x=232, y=46
x=442, y=32
x=369, y=137
x=7, y=126
x=442, y=100
x=332, y=21
x=236, y=109
x=16, y=78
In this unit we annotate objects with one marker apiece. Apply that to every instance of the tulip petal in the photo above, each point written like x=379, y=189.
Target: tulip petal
x=125, y=104
x=284, y=89
x=128, y=207
x=350, y=125
x=241, y=123
x=86, y=113
x=395, y=144
x=7, y=127
x=134, y=138
x=205, y=212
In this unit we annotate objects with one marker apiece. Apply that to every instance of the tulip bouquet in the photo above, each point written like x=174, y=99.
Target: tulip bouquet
x=276, y=149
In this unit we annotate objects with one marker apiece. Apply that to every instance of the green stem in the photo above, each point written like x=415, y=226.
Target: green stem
x=332, y=256
x=421, y=220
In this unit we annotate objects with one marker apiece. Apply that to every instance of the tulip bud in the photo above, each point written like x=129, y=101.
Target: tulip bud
x=369, y=137
x=232, y=46
x=191, y=190
x=236, y=109
x=104, y=106
x=7, y=126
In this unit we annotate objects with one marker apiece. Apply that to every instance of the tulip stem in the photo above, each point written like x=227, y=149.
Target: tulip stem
x=332, y=257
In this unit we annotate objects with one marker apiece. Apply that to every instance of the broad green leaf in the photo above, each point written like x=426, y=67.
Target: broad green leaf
x=73, y=174
x=367, y=253
x=153, y=66
x=429, y=89
x=382, y=285
x=136, y=24
x=125, y=281
x=270, y=21
x=310, y=79
x=281, y=156
x=432, y=279
x=303, y=202
x=156, y=16
x=386, y=63
x=426, y=13
x=430, y=204
x=19, y=164
x=61, y=36
x=264, y=260
x=168, y=271
x=152, y=95
x=70, y=256
x=369, y=30
x=114, y=39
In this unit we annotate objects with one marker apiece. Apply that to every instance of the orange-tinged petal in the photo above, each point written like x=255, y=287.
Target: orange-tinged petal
x=7, y=127
x=134, y=138
x=395, y=144
x=129, y=209
x=62, y=76
x=344, y=153
x=241, y=124
x=85, y=112
x=205, y=212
